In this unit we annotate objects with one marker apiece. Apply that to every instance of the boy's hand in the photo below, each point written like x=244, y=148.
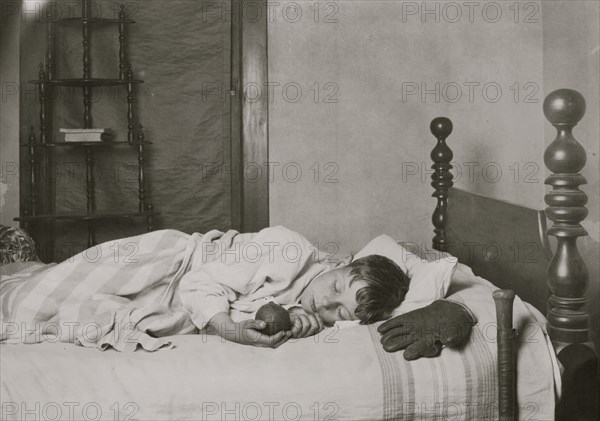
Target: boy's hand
x=246, y=332
x=251, y=336
x=304, y=324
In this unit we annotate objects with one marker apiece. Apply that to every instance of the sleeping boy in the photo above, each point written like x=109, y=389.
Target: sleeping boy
x=177, y=284
x=280, y=265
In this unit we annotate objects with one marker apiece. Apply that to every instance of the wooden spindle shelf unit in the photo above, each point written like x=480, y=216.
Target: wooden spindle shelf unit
x=46, y=83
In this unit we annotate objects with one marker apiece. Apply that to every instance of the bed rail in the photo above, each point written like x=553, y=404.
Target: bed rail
x=506, y=354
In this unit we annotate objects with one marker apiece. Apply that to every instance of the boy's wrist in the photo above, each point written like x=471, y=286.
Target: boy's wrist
x=223, y=324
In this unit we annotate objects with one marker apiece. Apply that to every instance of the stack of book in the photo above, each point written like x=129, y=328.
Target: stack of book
x=86, y=135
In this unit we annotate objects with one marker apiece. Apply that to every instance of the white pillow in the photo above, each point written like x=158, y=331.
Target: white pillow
x=429, y=281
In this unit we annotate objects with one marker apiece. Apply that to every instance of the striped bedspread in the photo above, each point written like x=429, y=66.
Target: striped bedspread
x=119, y=294
x=340, y=374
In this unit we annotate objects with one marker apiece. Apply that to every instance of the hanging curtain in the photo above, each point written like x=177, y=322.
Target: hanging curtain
x=181, y=50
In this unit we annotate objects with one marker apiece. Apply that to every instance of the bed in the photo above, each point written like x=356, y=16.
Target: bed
x=341, y=374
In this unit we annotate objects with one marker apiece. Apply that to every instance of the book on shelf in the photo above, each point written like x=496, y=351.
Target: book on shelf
x=86, y=135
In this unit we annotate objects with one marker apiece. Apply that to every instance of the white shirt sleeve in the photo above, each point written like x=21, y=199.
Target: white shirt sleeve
x=263, y=267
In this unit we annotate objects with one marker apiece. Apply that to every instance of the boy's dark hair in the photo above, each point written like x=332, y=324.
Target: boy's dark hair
x=386, y=287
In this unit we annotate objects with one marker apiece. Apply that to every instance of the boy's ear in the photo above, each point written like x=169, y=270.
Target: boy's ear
x=344, y=261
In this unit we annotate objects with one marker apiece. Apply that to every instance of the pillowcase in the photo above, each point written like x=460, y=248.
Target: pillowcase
x=429, y=280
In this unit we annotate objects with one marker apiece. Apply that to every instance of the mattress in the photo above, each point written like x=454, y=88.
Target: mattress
x=341, y=374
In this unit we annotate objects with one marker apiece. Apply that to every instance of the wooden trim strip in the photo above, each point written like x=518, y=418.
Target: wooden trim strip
x=249, y=118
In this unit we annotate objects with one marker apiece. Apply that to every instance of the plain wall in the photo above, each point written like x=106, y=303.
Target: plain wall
x=377, y=133
x=378, y=139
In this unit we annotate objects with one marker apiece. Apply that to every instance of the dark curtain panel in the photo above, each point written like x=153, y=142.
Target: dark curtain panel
x=181, y=49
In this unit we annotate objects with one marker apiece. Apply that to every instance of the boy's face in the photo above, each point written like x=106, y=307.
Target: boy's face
x=332, y=295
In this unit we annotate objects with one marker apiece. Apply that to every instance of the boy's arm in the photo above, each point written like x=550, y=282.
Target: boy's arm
x=262, y=266
x=246, y=332
x=203, y=297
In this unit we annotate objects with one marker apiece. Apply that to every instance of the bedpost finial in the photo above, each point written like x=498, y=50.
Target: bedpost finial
x=441, y=127
x=564, y=107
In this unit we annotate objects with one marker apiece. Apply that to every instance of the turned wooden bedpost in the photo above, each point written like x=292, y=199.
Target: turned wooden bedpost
x=567, y=273
x=441, y=127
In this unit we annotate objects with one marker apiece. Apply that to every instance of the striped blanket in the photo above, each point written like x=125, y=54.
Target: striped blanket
x=119, y=294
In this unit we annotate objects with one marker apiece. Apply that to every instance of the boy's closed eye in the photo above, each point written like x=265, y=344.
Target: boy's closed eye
x=368, y=289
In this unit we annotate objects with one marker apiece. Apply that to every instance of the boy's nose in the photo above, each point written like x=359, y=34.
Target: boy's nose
x=326, y=301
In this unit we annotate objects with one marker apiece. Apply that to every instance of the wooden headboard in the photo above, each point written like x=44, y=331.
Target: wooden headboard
x=481, y=233
x=507, y=245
